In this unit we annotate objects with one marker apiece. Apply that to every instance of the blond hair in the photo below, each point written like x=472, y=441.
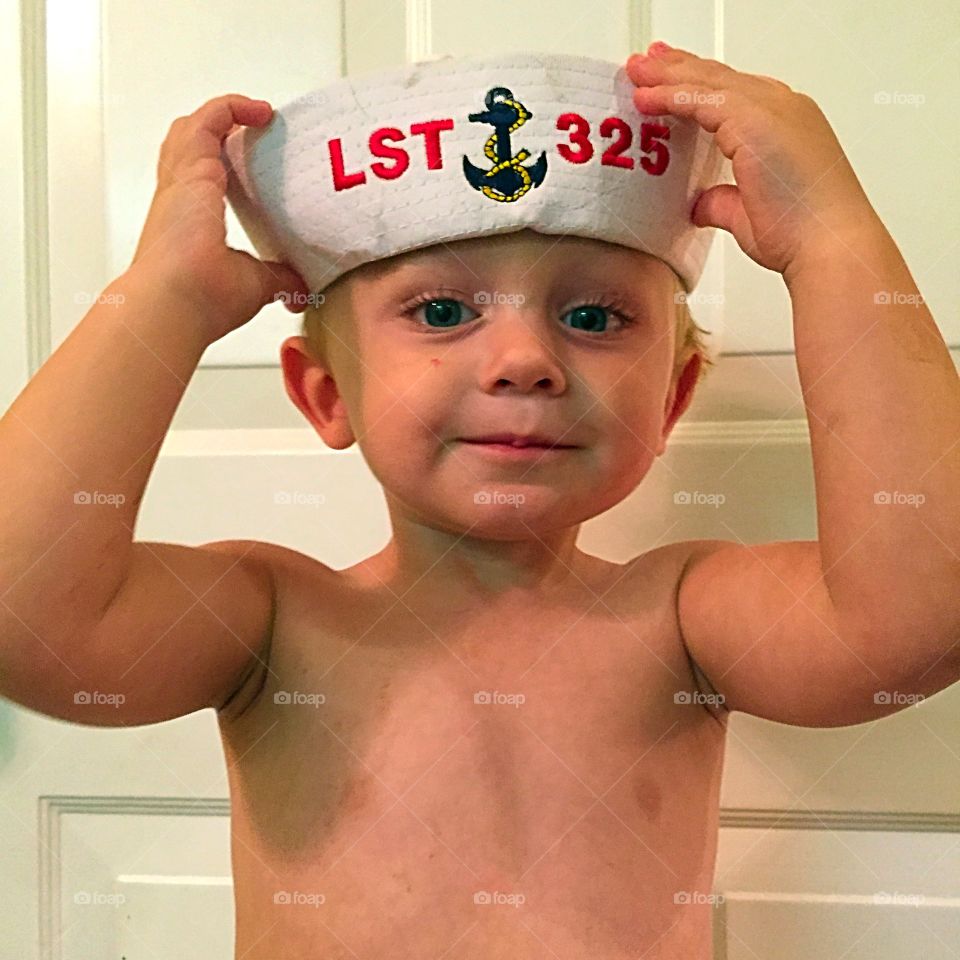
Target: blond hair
x=688, y=338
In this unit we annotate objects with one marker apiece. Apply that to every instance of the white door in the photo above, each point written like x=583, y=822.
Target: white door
x=115, y=842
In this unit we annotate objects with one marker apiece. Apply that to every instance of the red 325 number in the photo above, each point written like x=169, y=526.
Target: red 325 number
x=580, y=148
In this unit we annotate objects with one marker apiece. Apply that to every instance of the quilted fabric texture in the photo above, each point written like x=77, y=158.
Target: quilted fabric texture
x=371, y=166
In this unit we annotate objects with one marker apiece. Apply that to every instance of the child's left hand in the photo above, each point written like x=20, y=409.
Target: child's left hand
x=795, y=189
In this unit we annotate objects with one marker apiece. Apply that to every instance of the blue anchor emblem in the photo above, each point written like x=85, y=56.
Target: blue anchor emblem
x=508, y=179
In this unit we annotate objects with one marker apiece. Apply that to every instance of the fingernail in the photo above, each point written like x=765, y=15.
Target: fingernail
x=659, y=47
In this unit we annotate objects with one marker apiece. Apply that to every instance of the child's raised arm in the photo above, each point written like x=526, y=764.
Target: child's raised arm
x=94, y=627
x=865, y=620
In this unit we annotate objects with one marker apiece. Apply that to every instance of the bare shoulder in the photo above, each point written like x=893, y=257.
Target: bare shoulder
x=759, y=621
x=292, y=575
x=660, y=572
x=275, y=558
x=286, y=567
x=669, y=562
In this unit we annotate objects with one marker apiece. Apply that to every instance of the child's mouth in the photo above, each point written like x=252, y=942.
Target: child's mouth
x=519, y=440
x=518, y=448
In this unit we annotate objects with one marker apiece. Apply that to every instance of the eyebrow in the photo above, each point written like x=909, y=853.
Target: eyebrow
x=415, y=260
x=418, y=258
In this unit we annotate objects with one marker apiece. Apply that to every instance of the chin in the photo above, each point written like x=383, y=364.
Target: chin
x=519, y=512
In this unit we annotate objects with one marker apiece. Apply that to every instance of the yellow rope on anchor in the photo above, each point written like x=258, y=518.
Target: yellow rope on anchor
x=489, y=148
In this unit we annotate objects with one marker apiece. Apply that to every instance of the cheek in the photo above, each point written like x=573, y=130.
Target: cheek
x=413, y=401
x=634, y=420
x=632, y=394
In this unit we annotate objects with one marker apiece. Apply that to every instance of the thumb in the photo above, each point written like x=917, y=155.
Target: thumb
x=720, y=206
x=282, y=282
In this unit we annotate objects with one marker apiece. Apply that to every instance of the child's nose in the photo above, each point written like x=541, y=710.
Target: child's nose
x=520, y=352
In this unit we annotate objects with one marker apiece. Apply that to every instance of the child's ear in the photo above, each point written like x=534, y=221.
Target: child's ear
x=311, y=387
x=679, y=397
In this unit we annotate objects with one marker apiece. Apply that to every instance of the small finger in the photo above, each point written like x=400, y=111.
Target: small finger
x=287, y=286
x=708, y=107
x=676, y=66
x=218, y=118
x=201, y=134
x=222, y=114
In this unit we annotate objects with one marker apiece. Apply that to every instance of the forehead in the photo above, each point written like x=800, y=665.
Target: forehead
x=524, y=256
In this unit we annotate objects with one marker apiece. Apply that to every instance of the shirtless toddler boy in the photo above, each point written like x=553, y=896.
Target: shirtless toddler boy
x=515, y=756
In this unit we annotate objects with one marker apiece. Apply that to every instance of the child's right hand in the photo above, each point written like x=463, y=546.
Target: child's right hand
x=184, y=237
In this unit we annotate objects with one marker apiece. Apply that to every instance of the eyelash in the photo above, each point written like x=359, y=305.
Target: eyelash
x=604, y=301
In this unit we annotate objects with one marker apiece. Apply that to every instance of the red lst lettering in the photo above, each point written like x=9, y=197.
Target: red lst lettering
x=379, y=149
x=341, y=180
x=431, y=130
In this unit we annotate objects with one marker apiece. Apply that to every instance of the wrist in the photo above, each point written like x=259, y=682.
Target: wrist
x=851, y=246
x=161, y=305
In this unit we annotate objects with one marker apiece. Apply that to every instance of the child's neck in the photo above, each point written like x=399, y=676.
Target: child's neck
x=460, y=567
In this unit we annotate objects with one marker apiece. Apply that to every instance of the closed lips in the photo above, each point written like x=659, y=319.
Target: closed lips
x=516, y=440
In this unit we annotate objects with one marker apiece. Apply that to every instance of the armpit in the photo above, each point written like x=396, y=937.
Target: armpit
x=712, y=700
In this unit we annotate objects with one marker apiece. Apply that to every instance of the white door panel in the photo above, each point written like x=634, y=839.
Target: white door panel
x=136, y=875
x=111, y=103
x=202, y=906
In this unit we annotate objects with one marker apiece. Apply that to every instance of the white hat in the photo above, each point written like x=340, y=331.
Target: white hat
x=442, y=150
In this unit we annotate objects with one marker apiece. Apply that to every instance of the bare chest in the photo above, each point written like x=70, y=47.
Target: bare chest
x=503, y=758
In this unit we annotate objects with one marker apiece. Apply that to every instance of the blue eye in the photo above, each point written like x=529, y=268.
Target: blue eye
x=440, y=313
x=591, y=316
x=446, y=313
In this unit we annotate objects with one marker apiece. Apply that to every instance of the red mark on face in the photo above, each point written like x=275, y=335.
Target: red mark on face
x=435, y=361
